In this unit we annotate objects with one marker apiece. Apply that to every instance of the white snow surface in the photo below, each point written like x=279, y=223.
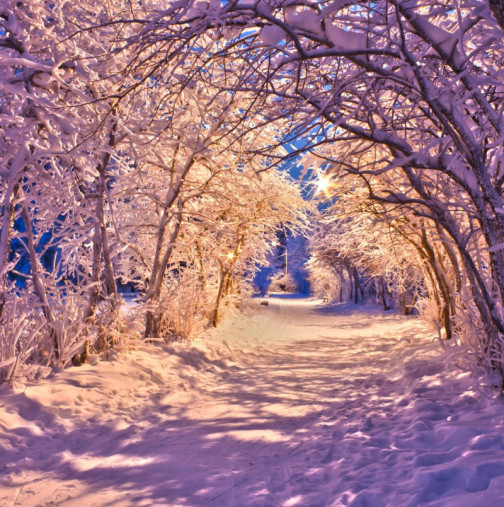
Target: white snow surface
x=292, y=404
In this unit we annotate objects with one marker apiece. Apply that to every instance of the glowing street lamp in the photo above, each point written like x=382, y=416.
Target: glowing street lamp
x=323, y=184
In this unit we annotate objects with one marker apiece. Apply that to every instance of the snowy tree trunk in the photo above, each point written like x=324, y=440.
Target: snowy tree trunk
x=351, y=284
x=8, y=215
x=357, y=286
x=153, y=316
x=102, y=259
x=220, y=293
x=161, y=261
x=38, y=280
x=225, y=281
x=384, y=293
x=103, y=280
x=445, y=301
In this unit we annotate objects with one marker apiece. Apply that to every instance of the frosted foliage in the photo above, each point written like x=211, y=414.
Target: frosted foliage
x=155, y=191
x=140, y=144
x=363, y=257
x=211, y=214
x=184, y=307
x=412, y=96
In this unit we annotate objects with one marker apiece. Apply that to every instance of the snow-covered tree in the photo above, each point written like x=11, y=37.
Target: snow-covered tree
x=416, y=84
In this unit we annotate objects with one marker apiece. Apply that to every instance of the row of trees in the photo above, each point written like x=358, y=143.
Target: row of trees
x=403, y=98
x=365, y=249
x=116, y=175
x=131, y=132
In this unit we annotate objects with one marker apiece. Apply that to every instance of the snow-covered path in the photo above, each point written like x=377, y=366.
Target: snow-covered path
x=296, y=404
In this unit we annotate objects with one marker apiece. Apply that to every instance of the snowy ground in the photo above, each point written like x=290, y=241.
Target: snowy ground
x=295, y=404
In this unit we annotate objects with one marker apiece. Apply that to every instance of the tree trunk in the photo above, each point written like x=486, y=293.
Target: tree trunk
x=102, y=259
x=8, y=215
x=226, y=280
x=357, y=287
x=38, y=280
x=384, y=294
x=220, y=294
x=439, y=275
x=153, y=317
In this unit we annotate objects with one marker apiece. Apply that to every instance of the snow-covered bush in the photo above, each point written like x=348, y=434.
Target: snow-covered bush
x=184, y=307
x=430, y=312
x=282, y=282
x=23, y=335
x=326, y=284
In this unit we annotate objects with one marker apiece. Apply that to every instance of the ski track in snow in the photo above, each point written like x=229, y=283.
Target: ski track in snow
x=294, y=404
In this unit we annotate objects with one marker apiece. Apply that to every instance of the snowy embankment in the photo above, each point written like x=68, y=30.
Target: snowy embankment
x=294, y=404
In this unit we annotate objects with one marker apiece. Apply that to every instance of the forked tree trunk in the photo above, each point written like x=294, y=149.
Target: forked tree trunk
x=153, y=316
x=102, y=258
